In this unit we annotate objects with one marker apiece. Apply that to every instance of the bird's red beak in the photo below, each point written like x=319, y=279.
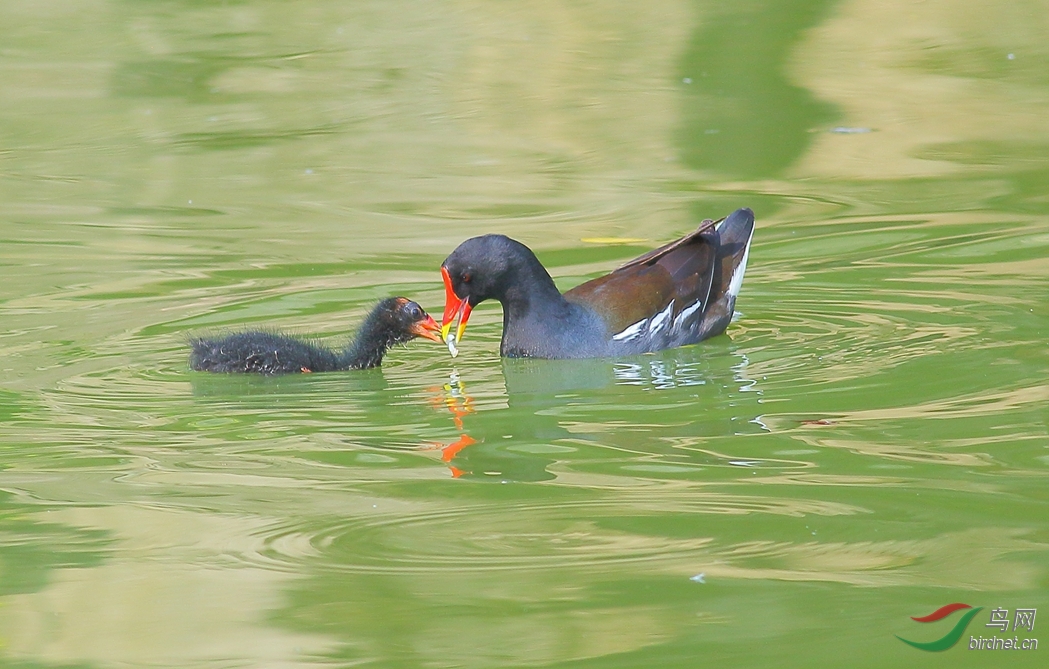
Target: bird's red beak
x=454, y=307
x=427, y=328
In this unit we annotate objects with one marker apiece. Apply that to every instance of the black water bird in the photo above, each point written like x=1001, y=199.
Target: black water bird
x=678, y=294
x=395, y=320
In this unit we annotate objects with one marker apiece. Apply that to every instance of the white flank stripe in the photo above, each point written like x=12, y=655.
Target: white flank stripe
x=631, y=331
x=686, y=312
x=661, y=319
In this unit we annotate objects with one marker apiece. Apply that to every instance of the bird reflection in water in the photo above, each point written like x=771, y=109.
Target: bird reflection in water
x=453, y=397
x=550, y=407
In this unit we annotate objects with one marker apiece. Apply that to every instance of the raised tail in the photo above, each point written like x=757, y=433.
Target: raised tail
x=735, y=234
x=733, y=246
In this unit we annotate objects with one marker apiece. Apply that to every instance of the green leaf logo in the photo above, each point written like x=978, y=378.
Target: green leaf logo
x=951, y=637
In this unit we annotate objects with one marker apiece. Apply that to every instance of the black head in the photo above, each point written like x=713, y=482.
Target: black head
x=487, y=267
x=493, y=266
x=398, y=320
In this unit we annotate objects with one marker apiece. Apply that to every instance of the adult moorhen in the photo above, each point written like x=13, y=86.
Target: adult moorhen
x=677, y=294
x=395, y=320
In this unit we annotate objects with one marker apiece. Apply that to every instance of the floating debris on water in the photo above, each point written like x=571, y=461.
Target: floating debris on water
x=613, y=240
x=819, y=421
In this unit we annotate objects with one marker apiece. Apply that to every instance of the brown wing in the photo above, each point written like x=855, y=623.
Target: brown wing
x=680, y=272
x=625, y=296
x=706, y=226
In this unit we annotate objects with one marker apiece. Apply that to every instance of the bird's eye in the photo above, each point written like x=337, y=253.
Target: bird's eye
x=467, y=277
x=415, y=312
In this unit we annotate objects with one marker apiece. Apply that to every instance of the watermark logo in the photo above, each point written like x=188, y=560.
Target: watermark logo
x=1022, y=620
x=999, y=618
x=949, y=639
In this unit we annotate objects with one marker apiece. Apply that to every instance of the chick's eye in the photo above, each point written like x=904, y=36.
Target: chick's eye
x=415, y=312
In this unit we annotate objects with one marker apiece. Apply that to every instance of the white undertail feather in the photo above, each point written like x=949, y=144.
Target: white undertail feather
x=737, y=275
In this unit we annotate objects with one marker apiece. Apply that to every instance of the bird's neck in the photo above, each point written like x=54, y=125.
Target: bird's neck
x=362, y=355
x=368, y=346
x=535, y=314
x=531, y=294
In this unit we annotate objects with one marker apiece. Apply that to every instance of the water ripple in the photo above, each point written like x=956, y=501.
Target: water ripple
x=565, y=534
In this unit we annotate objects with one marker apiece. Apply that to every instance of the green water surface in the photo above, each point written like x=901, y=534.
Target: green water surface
x=868, y=442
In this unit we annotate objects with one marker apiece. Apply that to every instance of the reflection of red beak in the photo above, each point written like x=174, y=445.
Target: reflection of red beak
x=427, y=329
x=453, y=308
x=452, y=449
